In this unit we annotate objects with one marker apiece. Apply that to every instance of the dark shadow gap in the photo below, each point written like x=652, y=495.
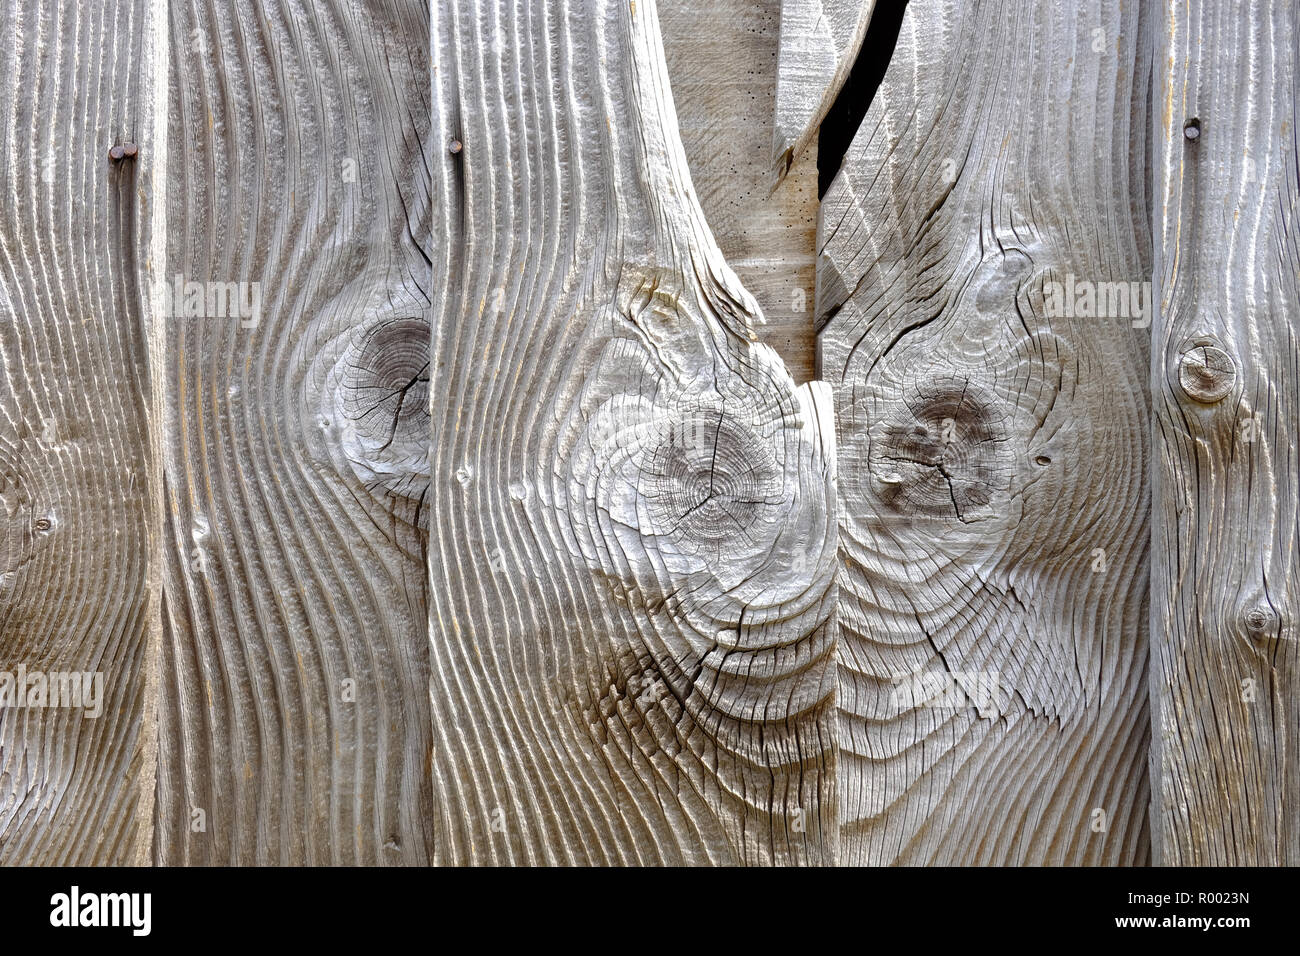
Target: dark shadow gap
x=854, y=99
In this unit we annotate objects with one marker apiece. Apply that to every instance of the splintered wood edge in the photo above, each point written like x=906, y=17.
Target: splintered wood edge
x=814, y=64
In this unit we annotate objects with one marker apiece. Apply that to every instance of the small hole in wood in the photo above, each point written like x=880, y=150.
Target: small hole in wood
x=1042, y=460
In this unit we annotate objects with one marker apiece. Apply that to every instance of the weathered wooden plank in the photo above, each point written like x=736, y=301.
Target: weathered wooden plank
x=722, y=59
x=633, y=511
x=820, y=40
x=75, y=781
x=294, y=721
x=993, y=444
x=1226, y=705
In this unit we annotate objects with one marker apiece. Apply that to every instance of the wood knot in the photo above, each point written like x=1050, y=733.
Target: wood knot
x=709, y=478
x=24, y=530
x=1206, y=373
x=377, y=405
x=1260, y=620
x=943, y=454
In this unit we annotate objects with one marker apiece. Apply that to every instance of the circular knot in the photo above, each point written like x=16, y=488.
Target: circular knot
x=942, y=454
x=1259, y=620
x=377, y=401
x=1206, y=372
x=709, y=477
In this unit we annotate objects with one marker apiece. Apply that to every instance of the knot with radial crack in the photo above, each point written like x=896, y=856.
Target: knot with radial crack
x=931, y=464
x=941, y=451
x=705, y=504
x=707, y=478
x=375, y=405
x=688, y=483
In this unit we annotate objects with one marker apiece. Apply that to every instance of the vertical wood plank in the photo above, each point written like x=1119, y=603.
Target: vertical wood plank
x=294, y=719
x=722, y=59
x=993, y=441
x=75, y=526
x=1226, y=368
x=633, y=508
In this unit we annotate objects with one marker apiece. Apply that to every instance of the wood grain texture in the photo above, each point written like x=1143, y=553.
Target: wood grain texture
x=722, y=59
x=295, y=672
x=820, y=40
x=1226, y=368
x=75, y=527
x=993, y=499
x=633, y=523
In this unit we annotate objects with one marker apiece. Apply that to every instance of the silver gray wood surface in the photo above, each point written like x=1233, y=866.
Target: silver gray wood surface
x=820, y=40
x=633, y=528
x=993, y=494
x=1226, y=782
x=506, y=527
x=722, y=66
x=294, y=724
x=76, y=782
